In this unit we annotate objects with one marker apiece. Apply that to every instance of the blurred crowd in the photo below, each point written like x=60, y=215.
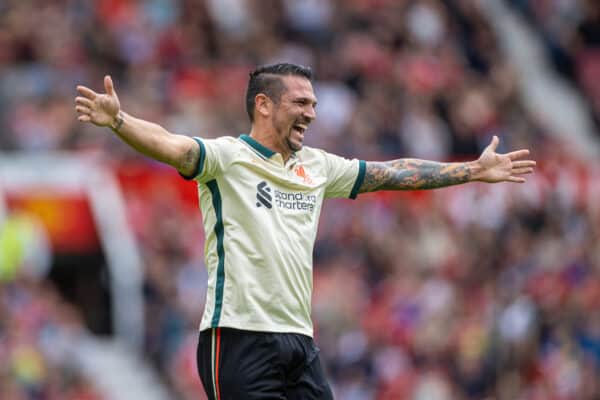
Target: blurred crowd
x=38, y=328
x=571, y=32
x=471, y=292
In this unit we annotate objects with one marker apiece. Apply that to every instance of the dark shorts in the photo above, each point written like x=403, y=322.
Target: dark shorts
x=236, y=364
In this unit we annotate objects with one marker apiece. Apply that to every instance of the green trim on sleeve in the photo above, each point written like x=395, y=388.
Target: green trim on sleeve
x=264, y=151
x=219, y=233
x=200, y=165
x=362, y=168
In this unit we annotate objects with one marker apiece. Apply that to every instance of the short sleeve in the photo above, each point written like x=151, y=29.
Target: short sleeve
x=344, y=176
x=214, y=157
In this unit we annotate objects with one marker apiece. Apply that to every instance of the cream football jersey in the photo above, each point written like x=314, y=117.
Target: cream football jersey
x=260, y=220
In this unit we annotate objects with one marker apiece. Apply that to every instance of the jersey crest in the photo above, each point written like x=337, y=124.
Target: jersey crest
x=301, y=172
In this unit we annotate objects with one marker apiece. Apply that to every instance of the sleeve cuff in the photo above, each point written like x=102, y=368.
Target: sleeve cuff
x=362, y=169
x=200, y=165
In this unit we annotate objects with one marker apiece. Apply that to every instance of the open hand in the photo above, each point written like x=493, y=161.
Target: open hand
x=99, y=109
x=509, y=167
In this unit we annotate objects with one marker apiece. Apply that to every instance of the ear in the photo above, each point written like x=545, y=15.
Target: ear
x=262, y=105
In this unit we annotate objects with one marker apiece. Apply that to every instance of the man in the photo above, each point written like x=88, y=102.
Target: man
x=260, y=196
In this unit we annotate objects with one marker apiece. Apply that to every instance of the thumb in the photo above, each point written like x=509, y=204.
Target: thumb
x=108, y=85
x=493, y=144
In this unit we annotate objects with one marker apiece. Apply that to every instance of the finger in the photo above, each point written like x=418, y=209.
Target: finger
x=516, y=179
x=87, y=92
x=84, y=118
x=494, y=143
x=524, y=163
x=521, y=171
x=83, y=109
x=108, y=85
x=517, y=154
x=83, y=101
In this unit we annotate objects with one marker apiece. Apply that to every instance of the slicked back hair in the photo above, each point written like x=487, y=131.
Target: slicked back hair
x=267, y=80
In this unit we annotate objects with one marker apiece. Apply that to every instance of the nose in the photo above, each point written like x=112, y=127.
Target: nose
x=309, y=113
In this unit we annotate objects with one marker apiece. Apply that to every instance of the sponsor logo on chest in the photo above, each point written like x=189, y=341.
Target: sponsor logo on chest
x=267, y=197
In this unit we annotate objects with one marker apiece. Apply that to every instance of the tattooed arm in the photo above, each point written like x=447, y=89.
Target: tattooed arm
x=150, y=139
x=407, y=174
x=411, y=174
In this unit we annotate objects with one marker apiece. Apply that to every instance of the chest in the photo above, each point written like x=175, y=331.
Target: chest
x=296, y=188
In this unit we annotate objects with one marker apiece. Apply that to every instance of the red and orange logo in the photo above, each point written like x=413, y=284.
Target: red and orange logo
x=299, y=170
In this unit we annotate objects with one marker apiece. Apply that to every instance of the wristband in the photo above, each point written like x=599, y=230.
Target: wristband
x=119, y=122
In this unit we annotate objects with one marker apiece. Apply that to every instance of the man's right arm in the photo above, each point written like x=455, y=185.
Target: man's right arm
x=148, y=138
x=154, y=141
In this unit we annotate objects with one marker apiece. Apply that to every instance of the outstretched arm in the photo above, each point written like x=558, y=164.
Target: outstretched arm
x=411, y=174
x=148, y=138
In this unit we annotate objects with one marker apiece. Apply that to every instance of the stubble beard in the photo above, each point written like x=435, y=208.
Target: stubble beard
x=288, y=135
x=291, y=144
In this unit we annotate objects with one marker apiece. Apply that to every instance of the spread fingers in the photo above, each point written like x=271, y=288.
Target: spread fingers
x=83, y=110
x=83, y=101
x=523, y=164
x=521, y=171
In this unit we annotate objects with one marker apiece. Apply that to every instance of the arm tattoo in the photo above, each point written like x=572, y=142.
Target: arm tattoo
x=411, y=174
x=190, y=160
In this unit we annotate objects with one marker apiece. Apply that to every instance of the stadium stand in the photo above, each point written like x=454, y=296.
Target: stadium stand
x=470, y=292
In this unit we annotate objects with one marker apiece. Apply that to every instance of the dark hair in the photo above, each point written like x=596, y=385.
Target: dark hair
x=267, y=80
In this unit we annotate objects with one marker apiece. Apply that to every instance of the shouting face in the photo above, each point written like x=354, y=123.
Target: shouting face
x=294, y=111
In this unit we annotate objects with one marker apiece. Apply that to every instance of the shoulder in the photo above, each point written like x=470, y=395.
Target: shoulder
x=322, y=156
x=311, y=153
x=223, y=140
x=222, y=149
x=321, y=160
x=221, y=144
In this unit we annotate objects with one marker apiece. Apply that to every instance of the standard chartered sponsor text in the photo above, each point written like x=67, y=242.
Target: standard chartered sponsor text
x=295, y=201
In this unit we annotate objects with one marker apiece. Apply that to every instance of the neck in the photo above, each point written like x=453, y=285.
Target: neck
x=270, y=139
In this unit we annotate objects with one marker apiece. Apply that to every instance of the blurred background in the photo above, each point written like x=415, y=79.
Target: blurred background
x=471, y=292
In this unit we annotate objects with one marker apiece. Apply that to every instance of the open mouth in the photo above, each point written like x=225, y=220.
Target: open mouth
x=300, y=128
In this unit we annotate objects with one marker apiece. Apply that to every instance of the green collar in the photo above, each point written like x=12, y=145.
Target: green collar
x=264, y=151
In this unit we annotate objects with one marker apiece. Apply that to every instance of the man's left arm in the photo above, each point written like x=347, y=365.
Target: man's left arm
x=413, y=174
